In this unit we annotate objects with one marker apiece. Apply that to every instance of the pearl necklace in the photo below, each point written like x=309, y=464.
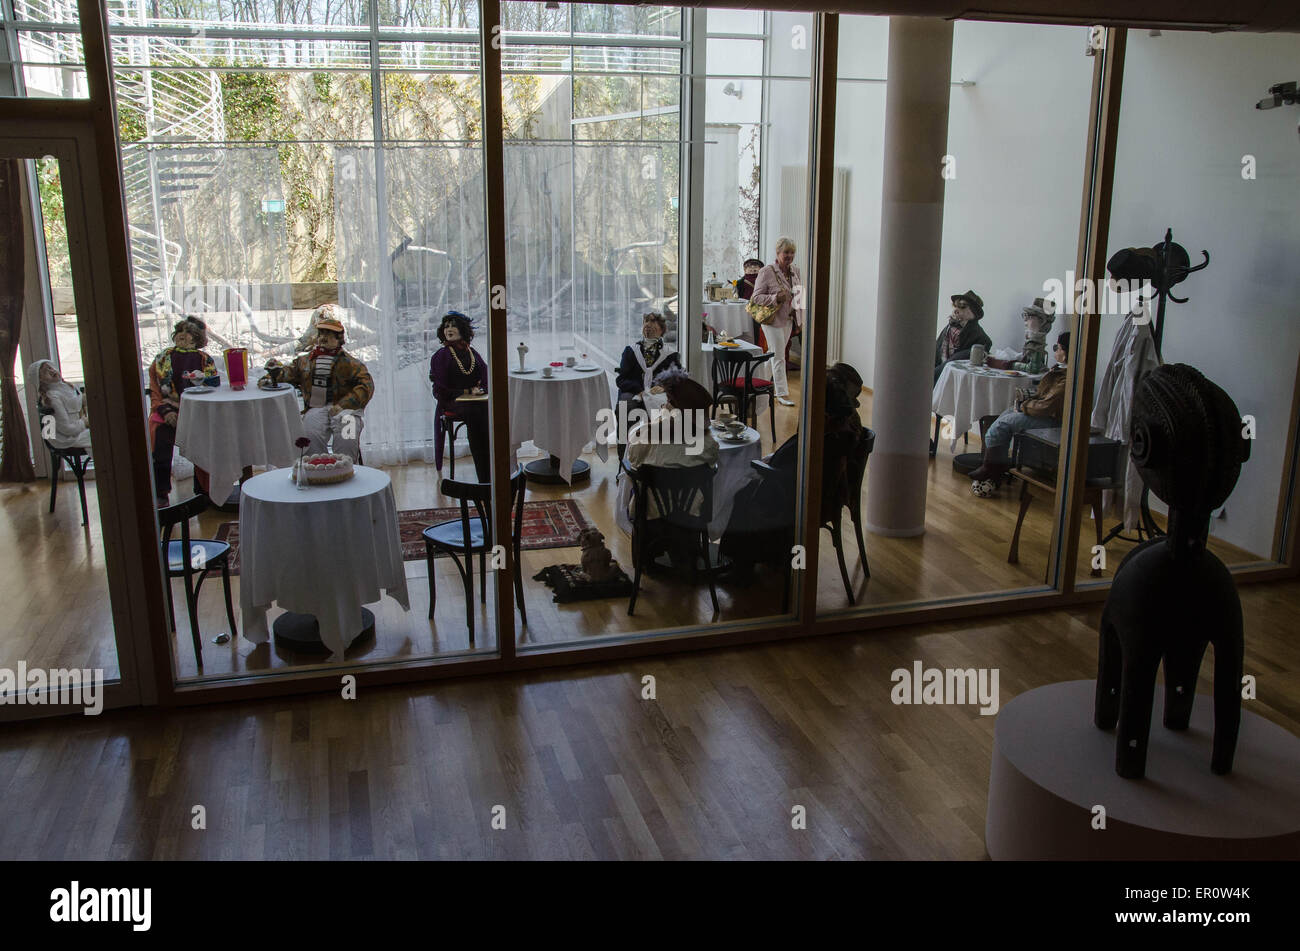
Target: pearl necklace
x=460, y=366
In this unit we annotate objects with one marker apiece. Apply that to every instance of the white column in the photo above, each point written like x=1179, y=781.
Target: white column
x=911, y=239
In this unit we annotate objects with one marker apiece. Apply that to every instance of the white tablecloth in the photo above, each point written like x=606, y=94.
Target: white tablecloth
x=224, y=430
x=730, y=316
x=325, y=551
x=558, y=414
x=966, y=393
x=733, y=472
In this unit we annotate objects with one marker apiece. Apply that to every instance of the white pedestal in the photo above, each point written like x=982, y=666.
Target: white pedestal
x=1052, y=766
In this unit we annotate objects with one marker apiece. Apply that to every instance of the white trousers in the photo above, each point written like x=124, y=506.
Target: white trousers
x=318, y=425
x=777, y=338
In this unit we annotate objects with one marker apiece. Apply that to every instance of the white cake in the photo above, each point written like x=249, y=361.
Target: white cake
x=325, y=467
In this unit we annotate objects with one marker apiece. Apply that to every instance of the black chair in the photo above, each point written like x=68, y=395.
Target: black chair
x=674, y=491
x=473, y=535
x=733, y=375
x=77, y=459
x=855, y=464
x=190, y=556
x=451, y=424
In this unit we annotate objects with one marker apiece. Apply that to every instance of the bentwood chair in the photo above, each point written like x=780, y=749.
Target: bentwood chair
x=733, y=375
x=682, y=497
x=77, y=459
x=189, y=557
x=472, y=535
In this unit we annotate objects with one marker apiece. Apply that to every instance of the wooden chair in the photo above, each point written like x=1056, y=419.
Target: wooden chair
x=733, y=375
x=473, y=535
x=77, y=459
x=451, y=424
x=190, y=556
x=674, y=491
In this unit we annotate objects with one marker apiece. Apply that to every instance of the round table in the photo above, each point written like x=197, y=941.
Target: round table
x=966, y=393
x=731, y=317
x=734, y=470
x=325, y=551
x=224, y=431
x=560, y=414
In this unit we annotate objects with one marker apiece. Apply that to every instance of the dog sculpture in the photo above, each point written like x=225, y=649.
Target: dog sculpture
x=597, y=563
x=1171, y=597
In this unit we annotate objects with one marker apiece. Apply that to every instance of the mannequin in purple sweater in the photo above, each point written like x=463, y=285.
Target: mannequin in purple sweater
x=456, y=370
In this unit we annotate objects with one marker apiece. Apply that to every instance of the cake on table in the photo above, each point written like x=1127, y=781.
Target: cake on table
x=325, y=467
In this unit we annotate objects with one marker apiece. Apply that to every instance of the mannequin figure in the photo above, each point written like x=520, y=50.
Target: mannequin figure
x=1038, y=318
x=65, y=401
x=1171, y=597
x=641, y=363
x=456, y=370
x=336, y=387
x=171, y=373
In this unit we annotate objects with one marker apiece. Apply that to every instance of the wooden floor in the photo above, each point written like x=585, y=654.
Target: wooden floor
x=54, y=575
x=583, y=767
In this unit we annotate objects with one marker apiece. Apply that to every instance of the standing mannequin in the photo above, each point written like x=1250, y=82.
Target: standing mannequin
x=336, y=387
x=780, y=285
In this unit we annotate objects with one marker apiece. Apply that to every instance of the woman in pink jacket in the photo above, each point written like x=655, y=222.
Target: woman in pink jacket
x=780, y=285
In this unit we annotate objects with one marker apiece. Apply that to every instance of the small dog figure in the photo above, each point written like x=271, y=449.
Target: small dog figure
x=597, y=563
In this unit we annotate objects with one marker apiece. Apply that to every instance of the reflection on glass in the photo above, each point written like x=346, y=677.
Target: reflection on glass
x=1237, y=207
x=55, y=583
x=991, y=374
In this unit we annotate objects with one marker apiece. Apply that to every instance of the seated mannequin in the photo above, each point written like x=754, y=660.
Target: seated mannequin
x=962, y=333
x=1041, y=411
x=308, y=338
x=65, y=401
x=180, y=366
x=336, y=387
x=1038, y=318
x=761, y=527
x=665, y=440
x=456, y=370
x=641, y=362
x=745, y=289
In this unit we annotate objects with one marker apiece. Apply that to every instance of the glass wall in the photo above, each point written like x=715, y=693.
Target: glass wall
x=44, y=44
x=1012, y=171
x=1230, y=195
x=55, y=579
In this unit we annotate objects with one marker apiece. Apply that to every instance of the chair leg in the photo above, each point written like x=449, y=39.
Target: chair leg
x=56, y=466
x=79, y=470
x=451, y=450
x=1095, y=499
x=230, y=605
x=433, y=592
x=1013, y=556
x=482, y=576
x=636, y=583
x=862, y=551
x=839, y=554
x=469, y=594
x=708, y=570
x=771, y=411
x=171, y=606
x=192, y=603
x=519, y=588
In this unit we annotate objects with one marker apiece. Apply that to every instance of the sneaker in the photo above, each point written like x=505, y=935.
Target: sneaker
x=983, y=489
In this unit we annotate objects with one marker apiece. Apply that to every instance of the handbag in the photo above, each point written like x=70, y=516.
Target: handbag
x=762, y=313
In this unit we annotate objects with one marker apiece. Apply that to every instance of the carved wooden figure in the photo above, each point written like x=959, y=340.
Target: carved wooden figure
x=1171, y=597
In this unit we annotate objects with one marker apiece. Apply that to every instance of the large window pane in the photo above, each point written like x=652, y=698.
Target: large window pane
x=1224, y=184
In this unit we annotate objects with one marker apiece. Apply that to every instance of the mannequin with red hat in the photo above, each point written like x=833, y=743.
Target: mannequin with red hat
x=336, y=387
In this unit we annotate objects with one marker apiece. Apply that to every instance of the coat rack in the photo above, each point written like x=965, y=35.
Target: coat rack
x=1164, y=277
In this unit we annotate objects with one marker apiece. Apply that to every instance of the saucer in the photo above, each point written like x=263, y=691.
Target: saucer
x=198, y=390
x=585, y=367
x=275, y=386
x=525, y=370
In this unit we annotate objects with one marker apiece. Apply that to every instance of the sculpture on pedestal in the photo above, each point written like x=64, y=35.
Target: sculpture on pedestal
x=1171, y=596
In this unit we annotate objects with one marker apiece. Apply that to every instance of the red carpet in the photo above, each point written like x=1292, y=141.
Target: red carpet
x=554, y=523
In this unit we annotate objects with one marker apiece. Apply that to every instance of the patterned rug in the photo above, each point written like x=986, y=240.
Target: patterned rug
x=553, y=523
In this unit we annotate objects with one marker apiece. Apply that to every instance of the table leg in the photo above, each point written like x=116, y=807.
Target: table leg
x=547, y=471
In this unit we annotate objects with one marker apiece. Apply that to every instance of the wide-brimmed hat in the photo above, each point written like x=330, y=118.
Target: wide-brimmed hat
x=682, y=391
x=1041, y=307
x=975, y=302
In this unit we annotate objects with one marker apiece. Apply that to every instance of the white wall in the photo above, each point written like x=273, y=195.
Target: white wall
x=1187, y=119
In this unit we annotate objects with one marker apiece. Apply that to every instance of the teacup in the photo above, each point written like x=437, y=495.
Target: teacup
x=735, y=427
x=570, y=361
x=978, y=354
x=548, y=371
